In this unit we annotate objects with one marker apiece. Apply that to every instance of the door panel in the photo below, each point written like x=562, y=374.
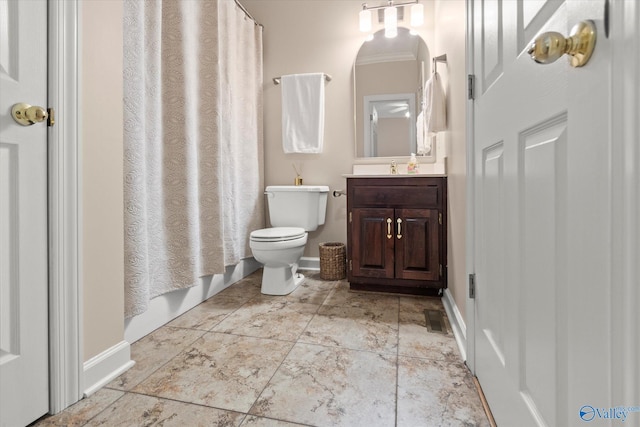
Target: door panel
x=9, y=292
x=23, y=216
x=494, y=292
x=532, y=15
x=8, y=43
x=491, y=40
x=543, y=193
x=417, y=251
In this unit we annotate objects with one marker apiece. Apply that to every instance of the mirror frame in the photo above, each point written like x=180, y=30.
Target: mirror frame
x=432, y=158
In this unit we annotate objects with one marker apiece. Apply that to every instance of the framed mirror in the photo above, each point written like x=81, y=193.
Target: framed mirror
x=389, y=75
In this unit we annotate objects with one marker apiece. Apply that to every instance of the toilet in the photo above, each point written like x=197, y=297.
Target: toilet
x=293, y=210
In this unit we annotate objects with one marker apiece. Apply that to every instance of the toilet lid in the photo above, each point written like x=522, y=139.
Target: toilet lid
x=277, y=234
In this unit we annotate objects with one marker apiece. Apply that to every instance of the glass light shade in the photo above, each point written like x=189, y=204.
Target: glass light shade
x=390, y=22
x=417, y=15
x=365, y=21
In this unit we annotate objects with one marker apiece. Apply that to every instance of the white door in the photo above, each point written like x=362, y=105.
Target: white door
x=542, y=201
x=23, y=215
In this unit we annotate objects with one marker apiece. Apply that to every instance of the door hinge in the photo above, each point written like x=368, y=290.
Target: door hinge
x=472, y=285
x=51, y=120
x=350, y=217
x=441, y=271
x=471, y=86
x=440, y=218
x=350, y=265
x=607, y=14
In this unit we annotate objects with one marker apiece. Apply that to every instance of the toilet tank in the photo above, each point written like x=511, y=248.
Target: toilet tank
x=297, y=205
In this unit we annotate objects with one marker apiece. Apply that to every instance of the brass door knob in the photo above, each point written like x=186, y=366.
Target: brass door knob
x=550, y=46
x=27, y=115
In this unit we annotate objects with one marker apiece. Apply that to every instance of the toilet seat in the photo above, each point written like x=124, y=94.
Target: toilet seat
x=277, y=238
x=277, y=234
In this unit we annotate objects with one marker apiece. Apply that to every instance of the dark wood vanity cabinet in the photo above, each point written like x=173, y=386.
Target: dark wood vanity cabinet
x=396, y=234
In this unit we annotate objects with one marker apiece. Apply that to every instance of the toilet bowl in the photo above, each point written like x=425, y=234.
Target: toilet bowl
x=293, y=211
x=279, y=249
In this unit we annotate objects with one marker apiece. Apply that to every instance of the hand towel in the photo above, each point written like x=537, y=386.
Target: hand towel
x=423, y=140
x=302, y=113
x=435, y=106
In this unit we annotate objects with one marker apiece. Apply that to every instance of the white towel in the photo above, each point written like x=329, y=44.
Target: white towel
x=302, y=113
x=435, y=105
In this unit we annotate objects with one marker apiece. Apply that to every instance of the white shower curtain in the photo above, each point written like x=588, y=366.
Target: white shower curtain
x=193, y=143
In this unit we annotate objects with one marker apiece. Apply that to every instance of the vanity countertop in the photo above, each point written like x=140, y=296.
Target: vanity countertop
x=382, y=170
x=401, y=175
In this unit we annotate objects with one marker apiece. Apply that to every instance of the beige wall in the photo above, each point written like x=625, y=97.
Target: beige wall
x=102, y=255
x=392, y=131
x=311, y=36
x=302, y=36
x=450, y=16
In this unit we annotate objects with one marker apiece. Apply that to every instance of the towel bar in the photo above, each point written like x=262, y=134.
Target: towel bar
x=276, y=80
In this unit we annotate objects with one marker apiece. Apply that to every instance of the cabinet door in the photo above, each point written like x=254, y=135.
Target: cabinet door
x=372, y=242
x=417, y=244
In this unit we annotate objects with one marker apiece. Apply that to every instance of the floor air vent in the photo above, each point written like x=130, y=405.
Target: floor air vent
x=435, y=321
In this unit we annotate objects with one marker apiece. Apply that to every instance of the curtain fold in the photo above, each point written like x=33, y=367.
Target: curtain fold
x=193, y=143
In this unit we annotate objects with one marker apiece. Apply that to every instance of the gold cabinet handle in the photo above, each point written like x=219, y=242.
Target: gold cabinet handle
x=389, y=235
x=27, y=115
x=548, y=47
x=399, y=221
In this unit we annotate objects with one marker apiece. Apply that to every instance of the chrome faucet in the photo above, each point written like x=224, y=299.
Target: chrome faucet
x=394, y=168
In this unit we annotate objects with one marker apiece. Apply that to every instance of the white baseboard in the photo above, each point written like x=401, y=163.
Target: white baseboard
x=456, y=321
x=106, y=366
x=167, y=307
x=309, y=263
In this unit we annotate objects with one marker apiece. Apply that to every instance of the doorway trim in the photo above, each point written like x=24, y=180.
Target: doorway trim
x=470, y=308
x=65, y=334
x=625, y=203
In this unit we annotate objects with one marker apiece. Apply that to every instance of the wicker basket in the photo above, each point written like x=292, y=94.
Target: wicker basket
x=332, y=261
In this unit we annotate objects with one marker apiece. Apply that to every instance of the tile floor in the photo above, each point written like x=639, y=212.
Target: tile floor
x=321, y=356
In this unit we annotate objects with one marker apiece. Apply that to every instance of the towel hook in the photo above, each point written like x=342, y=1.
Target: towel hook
x=436, y=59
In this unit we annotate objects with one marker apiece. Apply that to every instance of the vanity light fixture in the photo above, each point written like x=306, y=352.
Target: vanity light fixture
x=417, y=15
x=391, y=16
x=365, y=19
